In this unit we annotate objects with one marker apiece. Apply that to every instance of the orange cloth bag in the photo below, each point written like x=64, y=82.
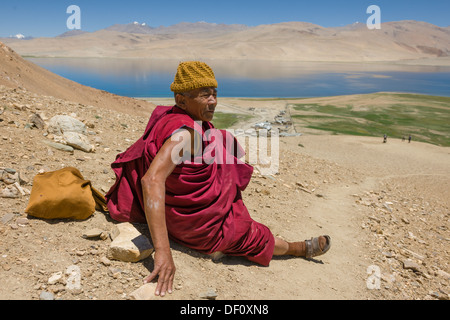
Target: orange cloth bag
x=64, y=194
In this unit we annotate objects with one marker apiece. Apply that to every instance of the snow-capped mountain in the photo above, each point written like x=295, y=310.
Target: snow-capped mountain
x=20, y=36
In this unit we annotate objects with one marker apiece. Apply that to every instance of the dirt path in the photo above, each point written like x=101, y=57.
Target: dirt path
x=339, y=274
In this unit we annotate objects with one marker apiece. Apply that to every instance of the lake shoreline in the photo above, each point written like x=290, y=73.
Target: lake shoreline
x=435, y=62
x=295, y=98
x=255, y=79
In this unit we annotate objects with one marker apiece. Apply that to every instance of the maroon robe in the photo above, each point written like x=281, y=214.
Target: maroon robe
x=204, y=207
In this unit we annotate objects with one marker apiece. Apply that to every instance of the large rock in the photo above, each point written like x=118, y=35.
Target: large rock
x=78, y=141
x=60, y=124
x=129, y=244
x=71, y=131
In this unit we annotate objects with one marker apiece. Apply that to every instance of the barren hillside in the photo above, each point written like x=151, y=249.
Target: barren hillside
x=16, y=72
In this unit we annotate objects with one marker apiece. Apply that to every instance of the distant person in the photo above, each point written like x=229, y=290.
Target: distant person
x=409, y=139
x=197, y=204
x=385, y=138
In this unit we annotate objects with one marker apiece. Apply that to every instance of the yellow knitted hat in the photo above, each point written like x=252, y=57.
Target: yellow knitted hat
x=193, y=75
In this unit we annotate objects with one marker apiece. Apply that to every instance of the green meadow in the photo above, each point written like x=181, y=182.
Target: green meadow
x=224, y=120
x=425, y=118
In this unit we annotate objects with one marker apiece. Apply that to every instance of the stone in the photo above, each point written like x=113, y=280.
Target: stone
x=443, y=274
x=8, y=177
x=19, y=188
x=411, y=265
x=92, y=233
x=129, y=244
x=7, y=218
x=413, y=254
x=22, y=221
x=388, y=254
x=23, y=180
x=78, y=141
x=37, y=121
x=80, y=253
x=114, y=272
x=145, y=292
x=58, y=146
x=387, y=207
x=10, y=192
x=55, y=278
x=60, y=124
x=105, y=261
x=211, y=294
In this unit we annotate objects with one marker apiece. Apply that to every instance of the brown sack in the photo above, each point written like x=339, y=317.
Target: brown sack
x=63, y=194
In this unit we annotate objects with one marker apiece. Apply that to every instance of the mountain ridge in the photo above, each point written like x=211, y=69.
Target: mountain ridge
x=288, y=41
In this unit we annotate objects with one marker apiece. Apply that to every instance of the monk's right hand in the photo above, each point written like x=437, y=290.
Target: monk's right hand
x=164, y=269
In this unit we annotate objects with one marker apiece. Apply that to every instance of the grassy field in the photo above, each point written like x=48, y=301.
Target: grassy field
x=226, y=120
x=425, y=118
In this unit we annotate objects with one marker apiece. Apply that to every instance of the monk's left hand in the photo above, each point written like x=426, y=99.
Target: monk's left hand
x=165, y=271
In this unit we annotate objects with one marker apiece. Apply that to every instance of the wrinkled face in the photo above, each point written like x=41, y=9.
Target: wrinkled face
x=200, y=104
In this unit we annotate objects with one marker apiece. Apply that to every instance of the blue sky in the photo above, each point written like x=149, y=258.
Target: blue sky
x=48, y=17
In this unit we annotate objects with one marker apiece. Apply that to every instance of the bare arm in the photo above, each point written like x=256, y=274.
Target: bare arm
x=154, y=192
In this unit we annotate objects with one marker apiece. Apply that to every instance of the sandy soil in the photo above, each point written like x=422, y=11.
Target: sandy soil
x=382, y=204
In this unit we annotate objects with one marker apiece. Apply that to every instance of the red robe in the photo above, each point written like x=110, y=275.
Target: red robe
x=204, y=207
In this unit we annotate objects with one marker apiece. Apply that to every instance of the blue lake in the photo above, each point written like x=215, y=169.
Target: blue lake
x=152, y=78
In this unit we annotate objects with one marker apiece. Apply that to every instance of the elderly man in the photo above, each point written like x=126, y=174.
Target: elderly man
x=167, y=180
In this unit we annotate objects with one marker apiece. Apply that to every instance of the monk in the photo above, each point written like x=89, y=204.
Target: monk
x=175, y=179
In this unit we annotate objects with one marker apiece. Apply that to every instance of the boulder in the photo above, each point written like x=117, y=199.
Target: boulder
x=78, y=141
x=70, y=131
x=61, y=123
x=129, y=244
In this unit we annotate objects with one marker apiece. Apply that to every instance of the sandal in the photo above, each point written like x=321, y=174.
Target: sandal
x=313, y=247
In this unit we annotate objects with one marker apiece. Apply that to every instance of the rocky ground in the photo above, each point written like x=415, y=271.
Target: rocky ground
x=409, y=241
x=388, y=222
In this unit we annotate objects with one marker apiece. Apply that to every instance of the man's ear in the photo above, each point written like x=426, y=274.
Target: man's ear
x=180, y=101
